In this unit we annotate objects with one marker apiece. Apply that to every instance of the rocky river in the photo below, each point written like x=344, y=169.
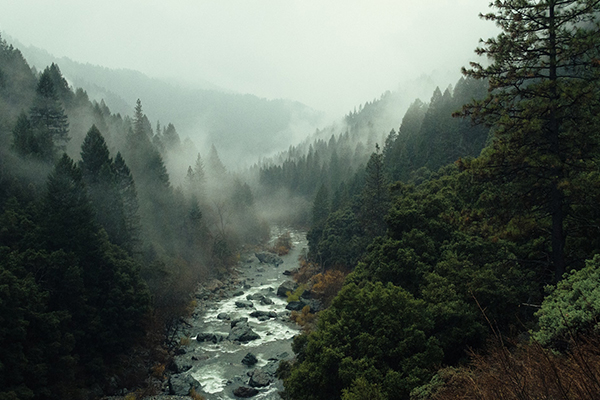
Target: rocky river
x=240, y=331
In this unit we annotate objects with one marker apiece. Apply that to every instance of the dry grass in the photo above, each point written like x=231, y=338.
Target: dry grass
x=528, y=371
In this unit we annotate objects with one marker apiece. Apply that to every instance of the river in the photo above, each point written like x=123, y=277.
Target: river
x=218, y=367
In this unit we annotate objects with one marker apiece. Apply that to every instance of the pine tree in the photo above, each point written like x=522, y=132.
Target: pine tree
x=24, y=141
x=375, y=196
x=128, y=193
x=171, y=138
x=68, y=216
x=543, y=104
x=94, y=154
x=101, y=181
x=48, y=119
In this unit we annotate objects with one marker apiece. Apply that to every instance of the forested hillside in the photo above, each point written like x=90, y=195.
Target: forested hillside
x=243, y=126
x=474, y=233
x=453, y=252
x=99, y=252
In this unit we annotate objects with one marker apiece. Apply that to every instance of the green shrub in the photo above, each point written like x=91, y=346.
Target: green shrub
x=572, y=307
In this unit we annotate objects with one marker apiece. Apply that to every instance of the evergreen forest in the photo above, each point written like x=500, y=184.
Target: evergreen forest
x=455, y=251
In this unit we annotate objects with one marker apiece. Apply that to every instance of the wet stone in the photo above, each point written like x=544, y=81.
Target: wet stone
x=223, y=316
x=236, y=321
x=242, y=333
x=249, y=359
x=244, y=304
x=260, y=378
x=265, y=301
x=255, y=296
x=180, y=385
x=245, y=392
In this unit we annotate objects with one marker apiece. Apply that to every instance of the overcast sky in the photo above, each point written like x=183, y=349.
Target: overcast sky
x=329, y=54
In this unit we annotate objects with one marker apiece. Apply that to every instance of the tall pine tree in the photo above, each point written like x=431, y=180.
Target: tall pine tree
x=543, y=104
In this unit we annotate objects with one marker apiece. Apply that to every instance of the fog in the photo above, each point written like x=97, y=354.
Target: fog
x=331, y=56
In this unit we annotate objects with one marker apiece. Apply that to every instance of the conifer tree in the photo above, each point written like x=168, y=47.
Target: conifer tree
x=543, y=104
x=48, y=119
x=375, y=196
x=101, y=180
x=24, y=141
x=128, y=192
x=215, y=166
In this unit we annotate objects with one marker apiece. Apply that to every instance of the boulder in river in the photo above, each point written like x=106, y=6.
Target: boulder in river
x=244, y=304
x=271, y=368
x=209, y=337
x=260, y=378
x=249, y=360
x=287, y=286
x=242, y=333
x=314, y=305
x=255, y=296
x=259, y=314
x=181, y=384
x=295, y=305
x=223, y=316
x=236, y=321
x=290, y=271
x=179, y=365
x=245, y=392
x=265, y=301
x=269, y=258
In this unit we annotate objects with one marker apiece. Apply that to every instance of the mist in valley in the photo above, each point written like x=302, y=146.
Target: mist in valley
x=149, y=150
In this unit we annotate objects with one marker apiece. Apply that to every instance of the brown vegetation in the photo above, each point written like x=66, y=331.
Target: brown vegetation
x=304, y=318
x=306, y=271
x=327, y=285
x=524, y=371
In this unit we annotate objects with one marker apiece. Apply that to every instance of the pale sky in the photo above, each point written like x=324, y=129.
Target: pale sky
x=329, y=54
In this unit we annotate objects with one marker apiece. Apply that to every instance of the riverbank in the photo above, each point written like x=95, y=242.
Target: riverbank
x=238, y=332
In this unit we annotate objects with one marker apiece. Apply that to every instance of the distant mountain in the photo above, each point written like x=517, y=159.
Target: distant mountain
x=243, y=127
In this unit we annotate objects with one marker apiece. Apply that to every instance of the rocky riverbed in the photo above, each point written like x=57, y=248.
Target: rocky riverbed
x=240, y=331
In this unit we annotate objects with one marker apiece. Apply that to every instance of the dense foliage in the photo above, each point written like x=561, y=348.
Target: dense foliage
x=476, y=246
x=99, y=252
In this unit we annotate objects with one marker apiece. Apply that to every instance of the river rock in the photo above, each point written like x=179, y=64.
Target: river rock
x=236, y=321
x=314, y=304
x=249, y=360
x=269, y=258
x=244, y=304
x=181, y=384
x=259, y=314
x=242, y=333
x=265, y=301
x=271, y=368
x=295, y=305
x=209, y=337
x=237, y=293
x=255, y=296
x=179, y=365
x=287, y=286
x=290, y=271
x=223, y=316
x=260, y=378
x=245, y=392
